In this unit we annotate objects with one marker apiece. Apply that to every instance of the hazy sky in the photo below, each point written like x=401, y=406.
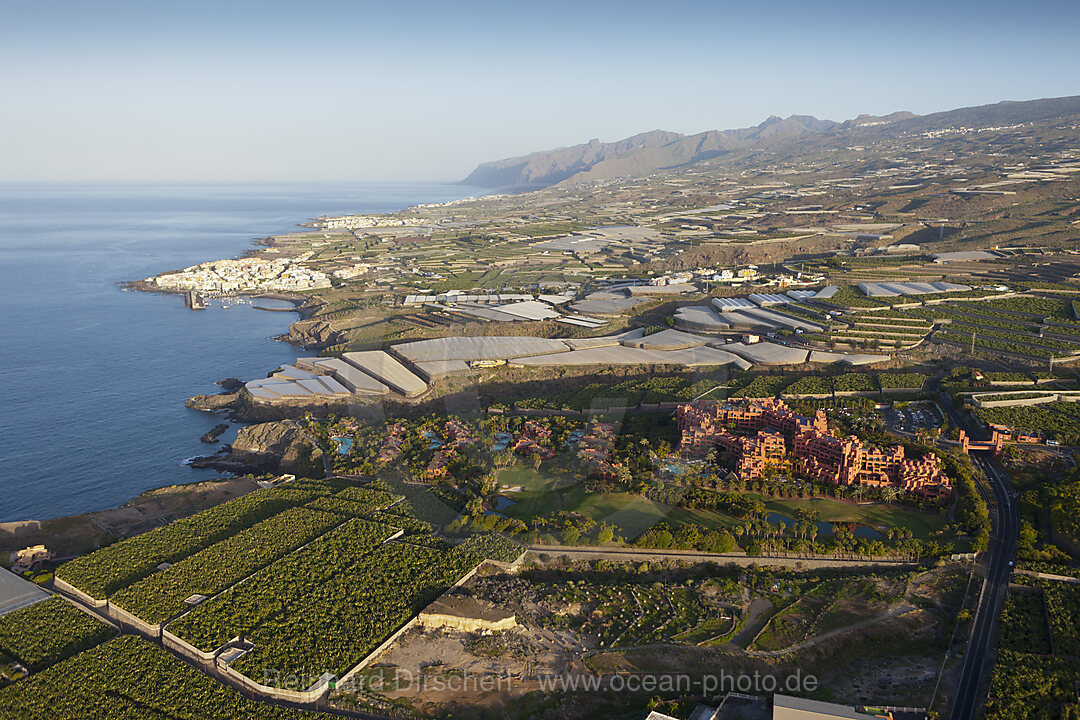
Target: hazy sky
x=343, y=91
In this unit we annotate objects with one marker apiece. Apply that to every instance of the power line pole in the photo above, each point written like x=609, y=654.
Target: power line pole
x=972, y=342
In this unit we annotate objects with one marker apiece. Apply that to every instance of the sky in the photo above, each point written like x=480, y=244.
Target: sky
x=346, y=91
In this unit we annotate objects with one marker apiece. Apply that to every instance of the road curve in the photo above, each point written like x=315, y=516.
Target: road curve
x=970, y=691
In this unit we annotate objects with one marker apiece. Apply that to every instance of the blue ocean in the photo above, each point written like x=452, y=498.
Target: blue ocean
x=94, y=377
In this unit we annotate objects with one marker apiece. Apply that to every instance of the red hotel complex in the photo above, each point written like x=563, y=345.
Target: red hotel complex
x=766, y=433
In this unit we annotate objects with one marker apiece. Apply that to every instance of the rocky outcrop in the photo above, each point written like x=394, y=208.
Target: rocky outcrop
x=215, y=433
x=265, y=438
x=277, y=446
x=222, y=401
x=314, y=334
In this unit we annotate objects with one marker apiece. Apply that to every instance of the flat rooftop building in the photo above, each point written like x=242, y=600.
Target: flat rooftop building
x=792, y=708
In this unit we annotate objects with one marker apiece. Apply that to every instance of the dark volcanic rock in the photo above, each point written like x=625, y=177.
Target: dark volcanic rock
x=215, y=433
x=224, y=401
x=267, y=447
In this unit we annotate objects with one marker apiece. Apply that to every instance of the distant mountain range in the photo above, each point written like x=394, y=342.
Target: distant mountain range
x=659, y=149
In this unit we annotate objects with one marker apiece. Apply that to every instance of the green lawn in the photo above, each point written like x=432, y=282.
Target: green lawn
x=632, y=514
x=712, y=519
x=537, y=497
x=922, y=524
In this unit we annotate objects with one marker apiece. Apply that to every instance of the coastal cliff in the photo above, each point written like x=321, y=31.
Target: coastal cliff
x=314, y=334
x=239, y=407
x=277, y=446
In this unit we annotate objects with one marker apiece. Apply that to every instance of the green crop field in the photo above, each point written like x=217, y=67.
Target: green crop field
x=102, y=573
x=263, y=598
x=43, y=634
x=127, y=678
x=333, y=626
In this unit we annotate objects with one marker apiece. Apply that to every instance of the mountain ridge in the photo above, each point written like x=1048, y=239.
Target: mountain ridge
x=656, y=150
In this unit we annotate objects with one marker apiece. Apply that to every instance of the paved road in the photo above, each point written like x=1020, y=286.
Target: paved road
x=970, y=692
x=593, y=552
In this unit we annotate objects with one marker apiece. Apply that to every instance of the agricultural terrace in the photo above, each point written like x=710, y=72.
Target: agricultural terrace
x=671, y=617
x=1034, y=328
x=43, y=634
x=335, y=625
x=1028, y=328
x=1039, y=659
x=264, y=596
x=313, y=586
x=826, y=384
x=128, y=677
x=1050, y=525
x=627, y=614
x=1058, y=421
x=104, y=572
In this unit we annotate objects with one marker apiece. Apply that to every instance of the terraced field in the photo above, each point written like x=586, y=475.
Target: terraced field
x=629, y=614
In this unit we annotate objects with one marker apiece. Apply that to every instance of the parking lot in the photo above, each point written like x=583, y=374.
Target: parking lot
x=913, y=419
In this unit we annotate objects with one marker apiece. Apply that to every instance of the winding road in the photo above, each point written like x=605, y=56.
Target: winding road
x=970, y=692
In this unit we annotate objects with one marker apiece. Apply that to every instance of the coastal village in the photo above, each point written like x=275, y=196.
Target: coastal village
x=246, y=275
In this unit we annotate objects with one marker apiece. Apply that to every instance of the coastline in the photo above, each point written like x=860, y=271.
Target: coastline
x=72, y=535
x=187, y=349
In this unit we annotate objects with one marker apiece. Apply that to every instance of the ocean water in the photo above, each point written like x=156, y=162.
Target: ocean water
x=93, y=378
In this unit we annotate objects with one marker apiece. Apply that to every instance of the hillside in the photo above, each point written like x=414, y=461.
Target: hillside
x=553, y=166
x=658, y=150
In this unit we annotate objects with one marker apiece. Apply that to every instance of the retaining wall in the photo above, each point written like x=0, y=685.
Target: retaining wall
x=374, y=654
x=316, y=693
x=123, y=617
x=183, y=647
x=69, y=589
x=1051, y=397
